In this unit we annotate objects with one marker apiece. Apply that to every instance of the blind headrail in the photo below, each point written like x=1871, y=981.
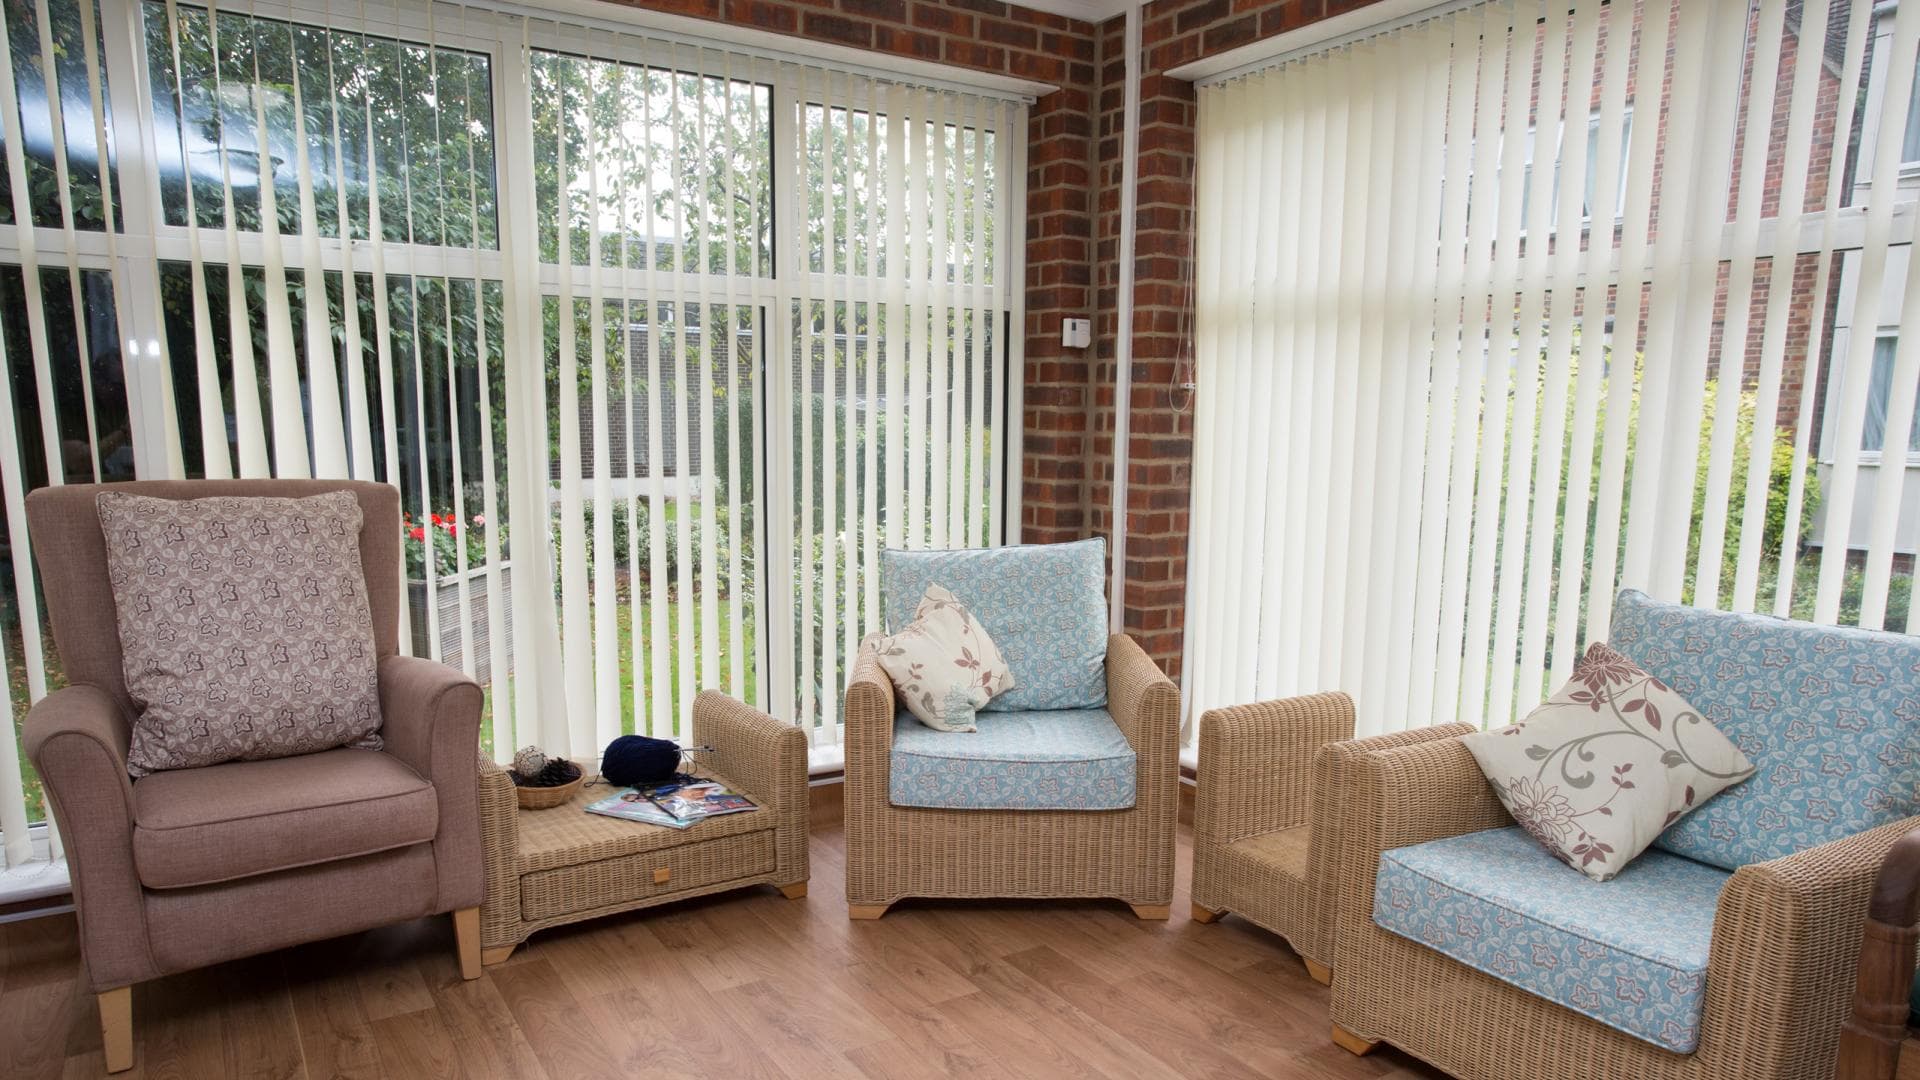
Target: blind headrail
x=1381, y=17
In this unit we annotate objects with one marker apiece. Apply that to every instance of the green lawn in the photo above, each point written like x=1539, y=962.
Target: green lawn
x=631, y=682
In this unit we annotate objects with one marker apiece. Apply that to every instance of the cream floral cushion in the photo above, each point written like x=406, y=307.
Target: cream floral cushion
x=1599, y=770
x=943, y=663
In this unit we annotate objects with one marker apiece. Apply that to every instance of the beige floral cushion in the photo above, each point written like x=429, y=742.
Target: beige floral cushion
x=244, y=627
x=1600, y=769
x=943, y=663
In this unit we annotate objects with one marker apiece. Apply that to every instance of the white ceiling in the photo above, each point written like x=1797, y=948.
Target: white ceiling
x=1095, y=11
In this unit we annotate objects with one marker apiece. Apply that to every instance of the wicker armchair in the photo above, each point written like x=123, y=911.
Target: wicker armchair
x=895, y=852
x=1268, y=812
x=1780, y=973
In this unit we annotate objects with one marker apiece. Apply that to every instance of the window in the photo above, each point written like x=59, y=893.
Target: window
x=1429, y=453
x=662, y=342
x=1873, y=430
x=1592, y=164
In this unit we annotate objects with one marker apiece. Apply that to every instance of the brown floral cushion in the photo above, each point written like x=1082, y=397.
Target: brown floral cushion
x=944, y=664
x=1601, y=768
x=244, y=627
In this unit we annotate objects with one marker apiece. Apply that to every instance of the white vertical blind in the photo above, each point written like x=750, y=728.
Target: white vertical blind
x=1612, y=324
x=662, y=342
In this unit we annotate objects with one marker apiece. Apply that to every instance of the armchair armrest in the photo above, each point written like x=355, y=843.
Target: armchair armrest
x=1786, y=946
x=766, y=757
x=1871, y=1041
x=430, y=717
x=1257, y=761
x=77, y=739
x=868, y=714
x=1401, y=795
x=1144, y=704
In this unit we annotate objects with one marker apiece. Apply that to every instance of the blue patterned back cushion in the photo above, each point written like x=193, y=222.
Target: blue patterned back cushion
x=1830, y=717
x=1045, y=605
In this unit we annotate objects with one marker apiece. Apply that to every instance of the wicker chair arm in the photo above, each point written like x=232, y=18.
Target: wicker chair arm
x=1405, y=794
x=1145, y=705
x=499, y=854
x=1786, y=942
x=764, y=756
x=1256, y=764
x=1872, y=1039
x=868, y=714
x=1143, y=702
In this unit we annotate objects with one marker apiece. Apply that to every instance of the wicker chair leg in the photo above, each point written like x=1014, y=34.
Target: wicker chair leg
x=1205, y=915
x=1319, y=972
x=794, y=891
x=1152, y=912
x=864, y=912
x=1353, y=1044
x=490, y=957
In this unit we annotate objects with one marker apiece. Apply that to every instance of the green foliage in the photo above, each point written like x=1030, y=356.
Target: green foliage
x=1778, y=488
x=633, y=530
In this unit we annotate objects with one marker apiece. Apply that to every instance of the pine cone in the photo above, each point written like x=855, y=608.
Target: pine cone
x=529, y=761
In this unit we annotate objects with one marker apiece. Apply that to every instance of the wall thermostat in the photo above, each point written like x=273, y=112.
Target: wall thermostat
x=1076, y=333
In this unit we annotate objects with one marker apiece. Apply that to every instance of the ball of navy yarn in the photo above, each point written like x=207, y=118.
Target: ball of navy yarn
x=636, y=759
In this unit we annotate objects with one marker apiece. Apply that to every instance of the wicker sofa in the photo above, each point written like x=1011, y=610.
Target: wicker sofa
x=895, y=852
x=1762, y=961
x=1268, y=814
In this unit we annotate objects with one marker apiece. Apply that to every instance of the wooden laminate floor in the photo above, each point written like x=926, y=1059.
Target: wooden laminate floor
x=743, y=985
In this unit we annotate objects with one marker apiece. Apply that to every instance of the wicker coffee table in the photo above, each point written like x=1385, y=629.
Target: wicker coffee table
x=552, y=867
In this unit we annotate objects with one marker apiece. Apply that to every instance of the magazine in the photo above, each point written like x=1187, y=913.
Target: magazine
x=676, y=805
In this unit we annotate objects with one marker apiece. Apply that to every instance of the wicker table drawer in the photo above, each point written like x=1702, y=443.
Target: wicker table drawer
x=598, y=884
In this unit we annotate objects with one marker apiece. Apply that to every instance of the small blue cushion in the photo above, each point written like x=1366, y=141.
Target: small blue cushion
x=1829, y=716
x=1073, y=759
x=1044, y=605
x=1630, y=953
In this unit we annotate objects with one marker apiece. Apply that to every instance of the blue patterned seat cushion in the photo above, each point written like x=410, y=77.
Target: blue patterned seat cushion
x=1829, y=716
x=1069, y=759
x=1044, y=605
x=1630, y=953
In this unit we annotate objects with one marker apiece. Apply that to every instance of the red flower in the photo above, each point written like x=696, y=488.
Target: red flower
x=417, y=533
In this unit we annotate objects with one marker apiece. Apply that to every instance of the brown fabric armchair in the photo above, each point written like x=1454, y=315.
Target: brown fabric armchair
x=894, y=852
x=183, y=869
x=1271, y=799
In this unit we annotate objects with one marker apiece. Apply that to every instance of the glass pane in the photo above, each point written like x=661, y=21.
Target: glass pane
x=680, y=429
x=419, y=120
x=680, y=163
x=73, y=97
x=80, y=443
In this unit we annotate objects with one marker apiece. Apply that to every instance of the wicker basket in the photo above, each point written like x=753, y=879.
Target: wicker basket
x=546, y=798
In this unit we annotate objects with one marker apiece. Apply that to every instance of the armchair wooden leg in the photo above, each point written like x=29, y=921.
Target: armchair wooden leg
x=1353, y=1044
x=490, y=957
x=794, y=891
x=466, y=934
x=1205, y=915
x=116, y=1028
x=863, y=912
x=1152, y=912
x=1320, y=972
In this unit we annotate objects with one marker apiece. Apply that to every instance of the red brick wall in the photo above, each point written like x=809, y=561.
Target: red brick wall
x=1005, y=39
